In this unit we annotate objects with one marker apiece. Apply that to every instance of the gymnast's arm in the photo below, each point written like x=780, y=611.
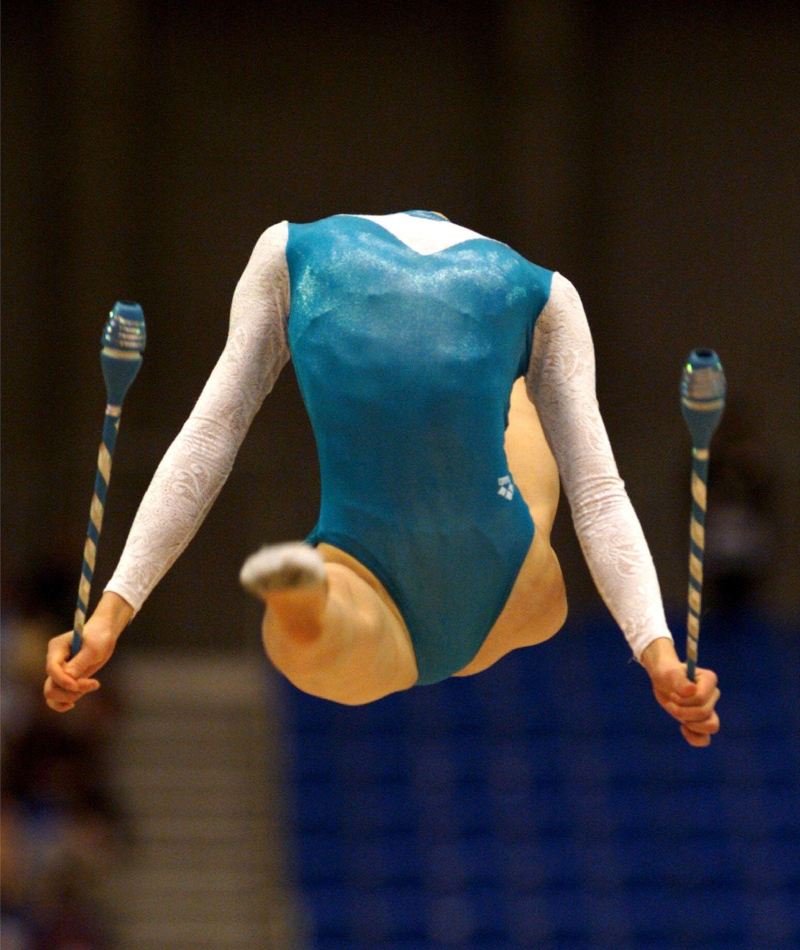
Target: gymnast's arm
x=194, y=468
x=561, y=383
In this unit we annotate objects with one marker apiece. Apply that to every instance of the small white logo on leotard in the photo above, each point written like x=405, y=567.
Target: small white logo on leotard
x=506, y=488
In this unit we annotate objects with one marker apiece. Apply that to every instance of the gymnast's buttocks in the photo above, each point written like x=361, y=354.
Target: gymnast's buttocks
x=405, y=362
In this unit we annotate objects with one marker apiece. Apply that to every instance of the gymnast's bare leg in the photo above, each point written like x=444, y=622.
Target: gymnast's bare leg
x=332, y=629
x=537, y=606
x=329, y=626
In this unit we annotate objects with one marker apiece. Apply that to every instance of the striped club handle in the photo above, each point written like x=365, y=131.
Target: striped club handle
x=102, y=478
x=703, y=390
x=122, y=345
x=697, y=543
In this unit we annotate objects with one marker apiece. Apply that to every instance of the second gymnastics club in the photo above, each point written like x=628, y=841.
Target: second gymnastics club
x=702, y=401
x=122, y=345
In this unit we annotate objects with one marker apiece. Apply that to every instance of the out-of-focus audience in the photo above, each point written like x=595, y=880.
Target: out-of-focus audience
x=61, y=829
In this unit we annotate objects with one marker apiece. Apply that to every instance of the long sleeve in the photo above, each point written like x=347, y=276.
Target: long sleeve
x=561, y=383
x=197, y=464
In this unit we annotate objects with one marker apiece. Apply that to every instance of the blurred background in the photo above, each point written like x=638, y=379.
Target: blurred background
x=646, y=150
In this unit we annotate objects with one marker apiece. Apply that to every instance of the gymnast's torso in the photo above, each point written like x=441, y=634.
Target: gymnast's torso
x=407, y=332
x=406, y=359
x=410, y=338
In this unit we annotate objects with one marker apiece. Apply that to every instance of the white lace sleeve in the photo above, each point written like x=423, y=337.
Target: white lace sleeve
x=198, y=462
x=561, y=383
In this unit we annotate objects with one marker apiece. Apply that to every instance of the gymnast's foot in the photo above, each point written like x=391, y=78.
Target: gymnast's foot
x=291, y=580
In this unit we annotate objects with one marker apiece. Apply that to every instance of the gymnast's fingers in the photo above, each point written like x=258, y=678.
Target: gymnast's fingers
x=56, y=693
x=687, y=713
x=708, y=727
x=705, y=683
x=60, y=707
x=58, y=653
x=62, y=700
x=695, y=738
x=673, y=685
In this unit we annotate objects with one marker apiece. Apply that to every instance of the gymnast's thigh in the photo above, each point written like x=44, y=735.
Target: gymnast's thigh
x=535, y=610
x=364, y=630
x=537, y=606
x=530, y=460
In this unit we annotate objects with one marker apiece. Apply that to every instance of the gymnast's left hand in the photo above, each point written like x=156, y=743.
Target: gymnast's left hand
x=69, y=678
x=692, y=704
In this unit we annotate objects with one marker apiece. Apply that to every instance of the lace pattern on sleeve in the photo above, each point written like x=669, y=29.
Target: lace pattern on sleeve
x=561, y=383
x=197, y=464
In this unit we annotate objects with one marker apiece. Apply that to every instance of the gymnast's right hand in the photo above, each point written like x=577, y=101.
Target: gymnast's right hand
x=69, y=678
x=692, y=704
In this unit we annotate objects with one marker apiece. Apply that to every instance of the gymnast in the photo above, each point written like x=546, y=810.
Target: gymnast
x=450, y=385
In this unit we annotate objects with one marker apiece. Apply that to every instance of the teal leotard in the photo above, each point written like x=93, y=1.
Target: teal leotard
x=405, y=362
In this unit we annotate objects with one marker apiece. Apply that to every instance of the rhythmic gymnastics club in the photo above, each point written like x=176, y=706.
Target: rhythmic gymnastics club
x=702, y=402
x=122, y=345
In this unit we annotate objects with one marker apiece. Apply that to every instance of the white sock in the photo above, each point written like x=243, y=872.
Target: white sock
x=282, y=566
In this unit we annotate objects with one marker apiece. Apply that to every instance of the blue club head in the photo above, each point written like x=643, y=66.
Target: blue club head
x=703, y=391
x=125, y=329
x=123, y=343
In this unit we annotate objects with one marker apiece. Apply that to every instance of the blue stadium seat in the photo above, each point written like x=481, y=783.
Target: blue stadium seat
x=321, y=857
x=321, y=806
x=552, y=804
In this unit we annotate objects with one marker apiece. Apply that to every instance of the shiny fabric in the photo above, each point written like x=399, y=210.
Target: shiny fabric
x=405, y=362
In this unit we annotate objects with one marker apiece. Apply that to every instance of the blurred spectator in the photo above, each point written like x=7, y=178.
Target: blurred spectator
x=60, y=826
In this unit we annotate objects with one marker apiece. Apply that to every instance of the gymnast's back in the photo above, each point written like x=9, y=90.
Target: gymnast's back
x=407, y=333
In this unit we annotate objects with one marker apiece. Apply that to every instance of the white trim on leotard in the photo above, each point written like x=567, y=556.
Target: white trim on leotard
x=423, y=235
